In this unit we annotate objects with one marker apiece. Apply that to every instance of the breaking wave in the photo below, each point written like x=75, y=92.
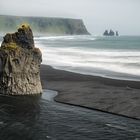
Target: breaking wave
x=71, y=55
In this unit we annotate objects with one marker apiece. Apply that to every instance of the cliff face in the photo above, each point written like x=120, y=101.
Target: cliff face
x=43, y=25
x=20, y=64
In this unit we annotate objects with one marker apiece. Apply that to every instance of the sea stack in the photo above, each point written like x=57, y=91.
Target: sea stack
x=20, y=63
x=110, y=33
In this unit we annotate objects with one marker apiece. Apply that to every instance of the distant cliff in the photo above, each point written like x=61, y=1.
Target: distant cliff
x=44, y=25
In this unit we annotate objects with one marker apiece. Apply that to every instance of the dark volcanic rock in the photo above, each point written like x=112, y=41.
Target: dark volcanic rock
x=23, y=38
x=20, y=63
x=110, y=33
x=117, y=34
x=106, y=33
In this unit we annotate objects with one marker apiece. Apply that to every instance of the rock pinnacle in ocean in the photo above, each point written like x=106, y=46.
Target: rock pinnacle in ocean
x=20, y=63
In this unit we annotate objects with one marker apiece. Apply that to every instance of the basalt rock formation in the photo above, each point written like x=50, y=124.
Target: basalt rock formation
x=110, y=33
x=20, y=63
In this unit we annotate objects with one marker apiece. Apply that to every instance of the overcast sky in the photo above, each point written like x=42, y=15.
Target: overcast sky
x=98, y=15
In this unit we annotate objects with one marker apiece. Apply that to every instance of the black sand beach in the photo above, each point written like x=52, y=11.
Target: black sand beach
x=114, y=96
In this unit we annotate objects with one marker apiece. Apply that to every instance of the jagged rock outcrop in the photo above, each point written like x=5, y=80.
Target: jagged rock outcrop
x=117, y=34
x=106, y=33
x=20, y=63
x=110, y=33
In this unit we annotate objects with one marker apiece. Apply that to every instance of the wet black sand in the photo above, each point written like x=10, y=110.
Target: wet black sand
x=115, y=96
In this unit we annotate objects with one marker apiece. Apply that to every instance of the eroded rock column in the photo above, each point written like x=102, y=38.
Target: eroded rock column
x=20, y=63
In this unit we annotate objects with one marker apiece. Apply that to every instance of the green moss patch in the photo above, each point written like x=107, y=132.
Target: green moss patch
x=10, y=46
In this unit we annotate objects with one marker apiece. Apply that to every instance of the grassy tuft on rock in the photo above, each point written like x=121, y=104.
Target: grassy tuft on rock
x=11, y=46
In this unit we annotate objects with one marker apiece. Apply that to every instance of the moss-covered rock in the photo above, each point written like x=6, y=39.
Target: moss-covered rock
x=20, y=63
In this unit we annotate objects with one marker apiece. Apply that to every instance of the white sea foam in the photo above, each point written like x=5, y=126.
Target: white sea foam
x=87, y=60
x=75, y=37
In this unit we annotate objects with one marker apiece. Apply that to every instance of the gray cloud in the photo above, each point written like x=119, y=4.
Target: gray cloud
x=122, y=15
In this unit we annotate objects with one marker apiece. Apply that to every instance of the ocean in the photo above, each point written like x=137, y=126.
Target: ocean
x=112, y=57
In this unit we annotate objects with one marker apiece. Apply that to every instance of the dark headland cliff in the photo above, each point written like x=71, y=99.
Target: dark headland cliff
x=20, y=63
x=44, y=25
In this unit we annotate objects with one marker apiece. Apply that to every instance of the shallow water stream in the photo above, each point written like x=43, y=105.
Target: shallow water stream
x=40, y=118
